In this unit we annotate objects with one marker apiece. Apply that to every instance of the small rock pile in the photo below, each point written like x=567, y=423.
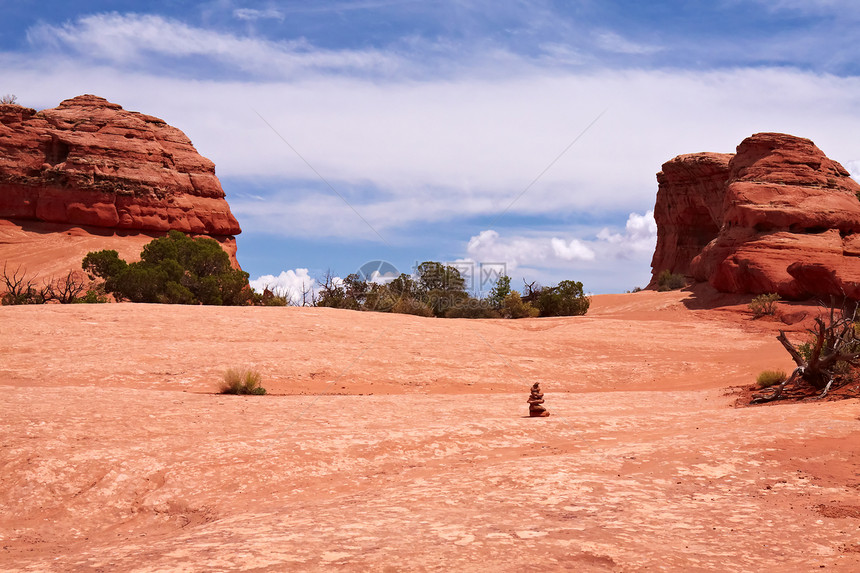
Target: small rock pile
x=535, y=400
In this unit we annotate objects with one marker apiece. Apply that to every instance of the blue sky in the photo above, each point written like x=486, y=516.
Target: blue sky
x=526, y=133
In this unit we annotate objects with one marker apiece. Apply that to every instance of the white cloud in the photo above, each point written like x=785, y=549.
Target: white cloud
x=292, y=284
x=563, y=54
x=489, y=246
x=136, y=38
x=406, y=150
x=253, y=14
x=841, y=8
x=547, y=251
x=853, y=168
x=574, y=250
x=640, y=234
x=612, y=42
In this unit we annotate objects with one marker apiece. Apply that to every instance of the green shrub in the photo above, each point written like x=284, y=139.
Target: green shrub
x=472, y=308
x=92, y=296
x=174, y=269
x=768, y=378
x=411, y=306
x=242, y=382
x=515, y=307
x=566, y=299
x=380, y=298
x=764, y=305
x=667, y=280
x=269, y=298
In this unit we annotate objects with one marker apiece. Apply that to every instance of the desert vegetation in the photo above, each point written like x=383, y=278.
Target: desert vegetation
x=825, y=361
x=667, y=280
x=174, y=269
x=177, y=269
x=764, y=305
x=73, y=287
x=439, y=290
x=242, y=382
x=768, y=378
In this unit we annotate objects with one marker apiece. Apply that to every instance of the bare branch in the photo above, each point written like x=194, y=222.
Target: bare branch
x=795, y=355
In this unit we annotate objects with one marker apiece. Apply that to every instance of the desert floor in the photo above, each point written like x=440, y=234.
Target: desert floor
x=396, y=443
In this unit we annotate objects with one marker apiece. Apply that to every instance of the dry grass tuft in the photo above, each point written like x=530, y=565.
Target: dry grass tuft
x=242, y=382
x=768, y=378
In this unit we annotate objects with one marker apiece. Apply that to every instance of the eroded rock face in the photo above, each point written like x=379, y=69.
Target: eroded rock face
x=689, y=208
x=90, y=162
x=788, y=222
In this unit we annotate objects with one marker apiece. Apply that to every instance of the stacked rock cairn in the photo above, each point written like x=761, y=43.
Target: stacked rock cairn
x=535, y=401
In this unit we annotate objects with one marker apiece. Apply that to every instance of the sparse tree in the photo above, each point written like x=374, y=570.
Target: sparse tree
x=8, y=99
x=67, y=289
x=309, y=295
x=20, y=289
x=332, y=293
x=531, y=291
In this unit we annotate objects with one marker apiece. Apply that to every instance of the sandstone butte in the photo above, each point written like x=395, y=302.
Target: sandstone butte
x=99, y=176
x=778, y=216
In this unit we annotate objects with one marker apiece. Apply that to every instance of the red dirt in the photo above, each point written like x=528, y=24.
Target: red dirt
x=398, y=443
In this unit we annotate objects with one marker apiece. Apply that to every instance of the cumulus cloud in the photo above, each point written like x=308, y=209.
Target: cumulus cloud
x=640, y=234
x=573, y=250
x=546, y=251
x=488, y=246
x=294, y=284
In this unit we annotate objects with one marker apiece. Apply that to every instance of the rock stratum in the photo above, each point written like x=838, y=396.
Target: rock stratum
x=777, y=216
x=89, y=163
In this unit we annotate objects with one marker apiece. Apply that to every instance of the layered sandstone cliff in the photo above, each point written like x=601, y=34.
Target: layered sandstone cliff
x=777, y=216
x=89, y=163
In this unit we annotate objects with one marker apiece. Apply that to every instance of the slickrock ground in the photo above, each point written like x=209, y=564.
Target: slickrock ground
x=49, y=250
x=397, y=443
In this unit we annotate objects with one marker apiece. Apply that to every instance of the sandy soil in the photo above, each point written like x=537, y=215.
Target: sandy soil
x=396, y=443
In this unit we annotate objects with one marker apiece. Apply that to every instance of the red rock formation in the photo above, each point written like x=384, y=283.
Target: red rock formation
x=89, y=162
x=689, y=208
x=789, y=221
